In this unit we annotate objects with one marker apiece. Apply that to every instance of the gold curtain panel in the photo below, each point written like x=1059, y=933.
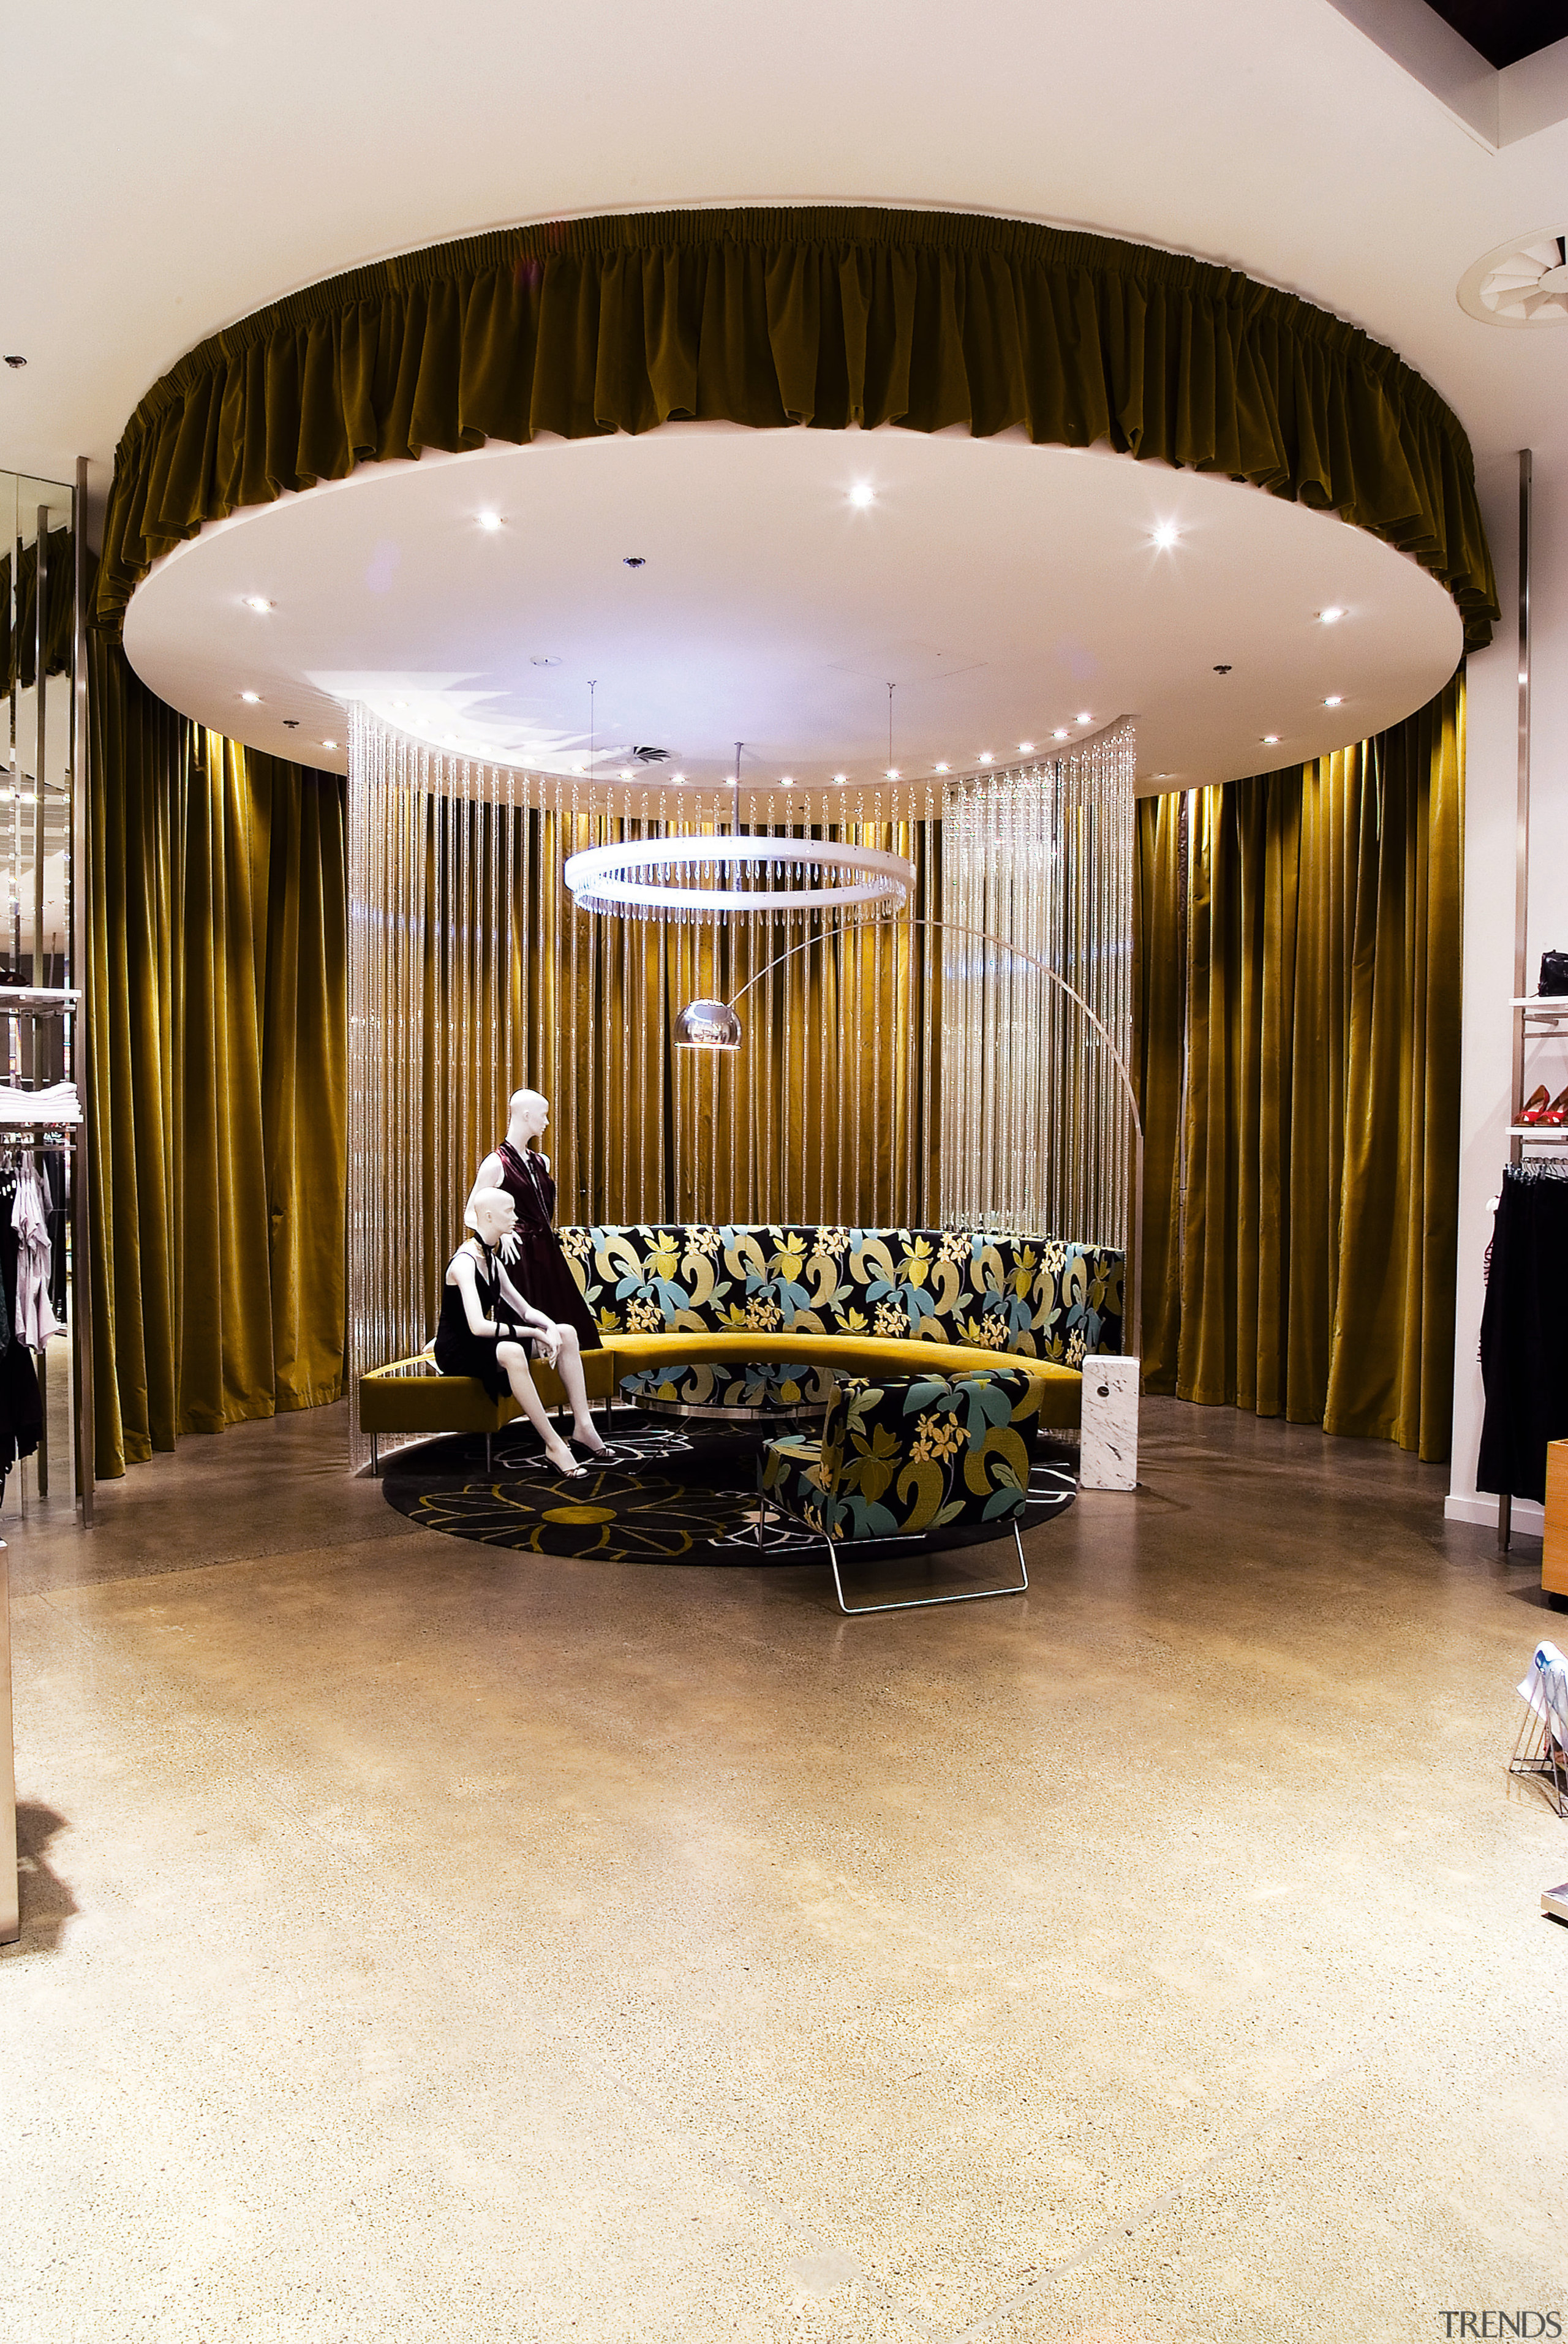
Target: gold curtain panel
x=1299, y=989
x=823, y=316
x=217, y=985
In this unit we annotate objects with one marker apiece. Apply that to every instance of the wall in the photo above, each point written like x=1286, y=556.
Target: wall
x=1492, y=782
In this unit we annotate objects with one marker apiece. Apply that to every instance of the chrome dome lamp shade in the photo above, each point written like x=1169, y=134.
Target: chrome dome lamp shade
x=707, y=1025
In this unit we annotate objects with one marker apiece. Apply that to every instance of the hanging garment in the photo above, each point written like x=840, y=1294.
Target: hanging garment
x=1525, y=1332
x=34, y=1321
x=21, y=1408
x=52, y=1164
x=21, y=1402
x=538, y=1268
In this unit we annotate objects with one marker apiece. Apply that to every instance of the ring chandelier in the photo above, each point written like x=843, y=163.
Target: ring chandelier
x=695, y=878
x=691, y=877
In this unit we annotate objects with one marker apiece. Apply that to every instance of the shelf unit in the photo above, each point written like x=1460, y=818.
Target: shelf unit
x=45, y=1006
x=1537, y=1017
x=44, y=823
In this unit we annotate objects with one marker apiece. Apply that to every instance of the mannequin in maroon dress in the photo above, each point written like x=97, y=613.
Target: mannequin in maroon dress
x=533, y=1259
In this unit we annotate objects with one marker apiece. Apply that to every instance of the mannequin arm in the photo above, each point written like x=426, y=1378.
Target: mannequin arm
x=529, y=1316
x=491, y=1174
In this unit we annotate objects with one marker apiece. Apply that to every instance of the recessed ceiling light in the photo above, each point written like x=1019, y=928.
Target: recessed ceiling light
x=1060, y=733
x=677, y=777
x=986, y=757
x=625, y=773
x=488, y=519
x=328, y=745
x=14, y=358
x=1165, y=533
x=1335, y=700
x=1329, y=616
x=861, y=495
x=579, y=767
x=941, y=769
x=257, y=602
x=788, y=781
x=1085, y=718
x=892, y=774
x=1270, y=740
x=250, y=697
x=841, y=778
x=400, y=703
x=1024, y=747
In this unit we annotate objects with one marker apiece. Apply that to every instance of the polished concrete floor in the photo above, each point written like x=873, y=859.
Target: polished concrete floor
x=423, y=1941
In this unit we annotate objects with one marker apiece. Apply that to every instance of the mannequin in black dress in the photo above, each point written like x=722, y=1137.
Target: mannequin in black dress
x=533, y=1257
x=488, y=1329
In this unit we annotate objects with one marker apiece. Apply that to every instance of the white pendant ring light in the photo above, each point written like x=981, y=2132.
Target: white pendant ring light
x=623, y=877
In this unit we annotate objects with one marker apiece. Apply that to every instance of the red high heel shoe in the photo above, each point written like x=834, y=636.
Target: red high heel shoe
x=1557, y=1112
x=1536, y=1105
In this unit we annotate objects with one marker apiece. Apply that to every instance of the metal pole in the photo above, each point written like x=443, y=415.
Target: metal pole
x=40, y=701
x=1520, y=876
x=79, y=1028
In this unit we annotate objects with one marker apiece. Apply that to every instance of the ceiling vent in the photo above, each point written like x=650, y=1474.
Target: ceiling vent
x=1523, y=283
x=652, y=756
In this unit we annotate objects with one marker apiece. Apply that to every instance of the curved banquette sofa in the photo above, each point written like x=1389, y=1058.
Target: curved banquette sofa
x=765, y=1317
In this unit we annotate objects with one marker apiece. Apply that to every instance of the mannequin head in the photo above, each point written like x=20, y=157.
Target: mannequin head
x=492, y=1213
x=528, y=1114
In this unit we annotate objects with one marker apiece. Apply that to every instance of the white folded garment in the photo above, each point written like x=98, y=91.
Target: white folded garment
x=55, y=1103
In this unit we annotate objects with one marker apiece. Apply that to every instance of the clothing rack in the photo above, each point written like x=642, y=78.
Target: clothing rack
x=39, y=1005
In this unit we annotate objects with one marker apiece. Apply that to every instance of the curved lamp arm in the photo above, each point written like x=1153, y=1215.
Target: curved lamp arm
x=1005, y=943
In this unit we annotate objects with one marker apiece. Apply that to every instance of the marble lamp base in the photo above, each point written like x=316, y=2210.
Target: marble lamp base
x=1108, y=1458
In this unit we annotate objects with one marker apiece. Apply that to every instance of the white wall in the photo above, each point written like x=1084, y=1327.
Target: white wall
x=1491, y=786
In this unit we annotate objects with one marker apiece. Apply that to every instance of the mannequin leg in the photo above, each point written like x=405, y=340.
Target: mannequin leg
x=513, y=1357
x=569, y=1368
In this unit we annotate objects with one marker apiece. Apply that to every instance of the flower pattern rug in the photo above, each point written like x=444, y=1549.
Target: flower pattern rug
x=667, y=1495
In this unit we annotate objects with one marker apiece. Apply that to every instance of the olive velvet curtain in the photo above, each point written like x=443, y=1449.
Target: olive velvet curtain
x=1299, y=1001
x=825, y=316
x=217, y=994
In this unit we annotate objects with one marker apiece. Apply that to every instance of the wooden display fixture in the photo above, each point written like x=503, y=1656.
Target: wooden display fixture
x=1554, y=1542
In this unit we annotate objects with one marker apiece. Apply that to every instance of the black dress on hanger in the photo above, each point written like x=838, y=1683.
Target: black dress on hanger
x=538, y=1267
x=1525, y=1333
x=21, y=1401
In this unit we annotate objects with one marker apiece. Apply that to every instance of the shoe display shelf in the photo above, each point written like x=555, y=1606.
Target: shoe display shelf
x=1538, y=1017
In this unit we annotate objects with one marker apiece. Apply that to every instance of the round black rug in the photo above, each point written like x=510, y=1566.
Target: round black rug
x=672, y=1493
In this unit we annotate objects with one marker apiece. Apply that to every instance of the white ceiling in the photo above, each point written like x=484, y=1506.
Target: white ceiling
x=175, y=166
x=1008, y=592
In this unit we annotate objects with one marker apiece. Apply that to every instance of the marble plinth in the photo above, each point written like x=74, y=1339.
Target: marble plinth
x=1107, y=1458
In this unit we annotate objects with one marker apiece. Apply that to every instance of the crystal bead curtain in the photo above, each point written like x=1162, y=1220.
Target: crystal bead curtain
x=1036, y=1122
x=472, y=974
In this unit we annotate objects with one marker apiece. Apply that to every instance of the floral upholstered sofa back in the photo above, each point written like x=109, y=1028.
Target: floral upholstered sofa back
x=1045, y=1297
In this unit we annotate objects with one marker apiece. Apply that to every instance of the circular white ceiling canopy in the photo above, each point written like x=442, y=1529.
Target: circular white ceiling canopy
x=1015, y=597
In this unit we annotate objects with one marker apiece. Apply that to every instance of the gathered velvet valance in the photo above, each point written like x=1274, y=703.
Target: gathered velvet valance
x=823, y=316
